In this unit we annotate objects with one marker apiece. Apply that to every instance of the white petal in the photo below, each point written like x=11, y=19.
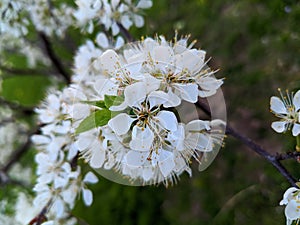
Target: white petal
x=105, y=87
x=189, y=60
x=148, y=173
x=87, y=196
x=126, y=21
x=198, y=125
x=40, y=139
x=209, y=83
x=84, y=140
x=173, y=100
x=151, y=83
x=136, y=158
x=138, y=20
x=48, y=223
x=119, y=42
x=90, y=178
x=58, y=207
x=296, y=101
x=292, y=210
x=177, y=137
x=121, y=123
x=102, y=40
x=166, y=163
x=98, y=156
x=287, y=194
x=277, y=105
x=141, y=139
x=296, y=129
x=188, y=92
x=110, y=61
x=144, y=4
x=279, y=126
x=157, y=98
x=167, y=120
x=79, y=111
x=135, y=93
x=163, y=54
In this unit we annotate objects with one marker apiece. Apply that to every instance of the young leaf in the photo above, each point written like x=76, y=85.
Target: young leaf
x=110, y=100
x=99, y=103
x=95, y=119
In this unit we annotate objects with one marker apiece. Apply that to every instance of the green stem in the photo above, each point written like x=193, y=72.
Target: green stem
x=298, y=143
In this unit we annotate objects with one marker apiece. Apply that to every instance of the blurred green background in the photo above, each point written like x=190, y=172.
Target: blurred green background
x=256, y=46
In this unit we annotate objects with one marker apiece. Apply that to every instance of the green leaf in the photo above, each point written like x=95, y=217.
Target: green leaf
x=99, y=103
x=95, y=119
x=26, y=90
x=110, y=100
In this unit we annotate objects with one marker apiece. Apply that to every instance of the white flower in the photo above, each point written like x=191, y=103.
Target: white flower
x=110, y=14
x=25, y=211
x=288, y=110
x=291, y=199
x=175, y=68
x=93, y=146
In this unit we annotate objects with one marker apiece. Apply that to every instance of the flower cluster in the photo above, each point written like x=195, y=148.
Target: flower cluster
x=135, y=126
x=288, y=110
x=59, y=178
x=111, y=14
x=51, y=18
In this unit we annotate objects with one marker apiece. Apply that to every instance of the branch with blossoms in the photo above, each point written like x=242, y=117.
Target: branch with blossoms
x=129, y=110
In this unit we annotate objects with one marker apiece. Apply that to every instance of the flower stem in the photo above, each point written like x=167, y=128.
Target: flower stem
x=298, y=143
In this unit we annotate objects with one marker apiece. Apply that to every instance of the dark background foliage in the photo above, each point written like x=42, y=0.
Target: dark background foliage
x=255, y=44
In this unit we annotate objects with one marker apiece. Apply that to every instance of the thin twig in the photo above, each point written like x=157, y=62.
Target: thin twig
x=273, y=159
x=41, y=217
x=125, y=32
x=262, y=152
x=288, y=155
x=54, y=59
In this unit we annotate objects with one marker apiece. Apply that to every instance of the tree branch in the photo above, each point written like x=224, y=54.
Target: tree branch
x=54, y=59
x=262, y=152
x=273, y=159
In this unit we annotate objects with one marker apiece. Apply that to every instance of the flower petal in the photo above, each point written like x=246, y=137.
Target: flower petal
x=148, y=173
x=188, y=92
x=296, y=101
x=279, y=126
x=135, y=93
x=277, y=106
x=287, y=194
x=110, y=61
x=164, y=54
x=90, y=178
x=167, y=120
x=157, y=98
x=166, y=163
x=173, y=100
x=296, y=129
x=136, y=158
x=292, y=210
x=105, y=87
x=141, y=139
x=197, y=125
x=121, y=123
x=102, y=40
x=87, y=196
x=98, y=156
